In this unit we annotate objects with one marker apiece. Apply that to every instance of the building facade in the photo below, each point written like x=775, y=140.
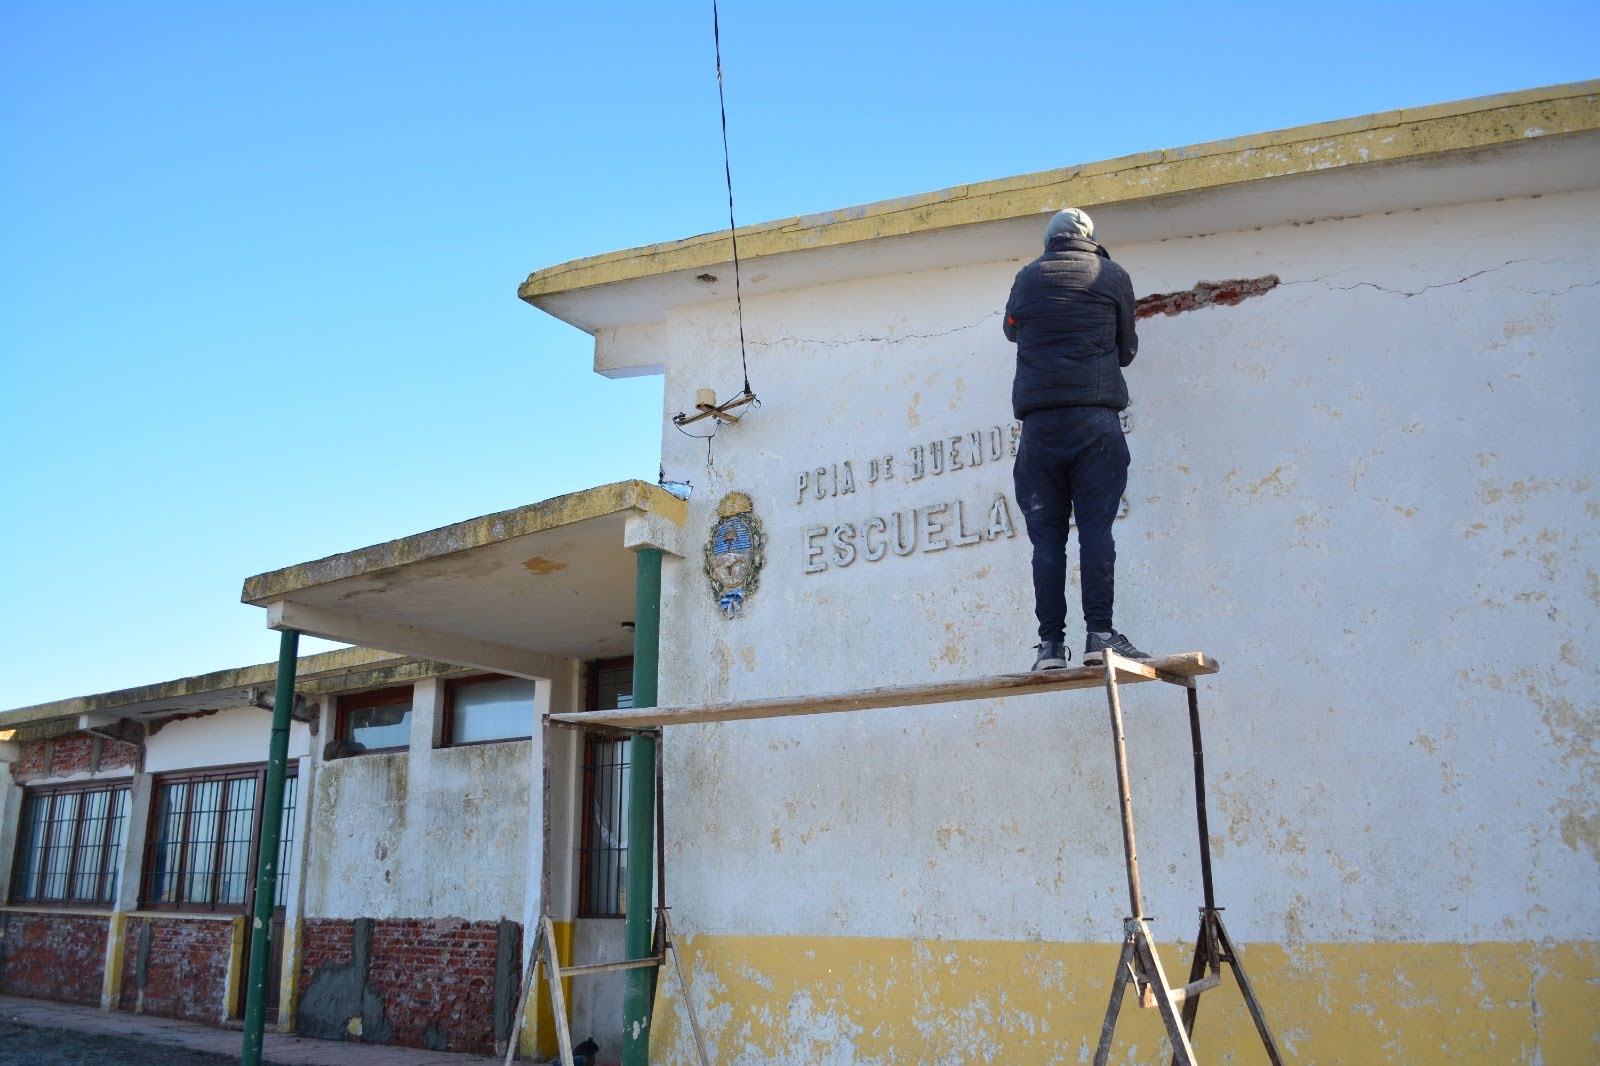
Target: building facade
x=1364, y=480
x=130, y=824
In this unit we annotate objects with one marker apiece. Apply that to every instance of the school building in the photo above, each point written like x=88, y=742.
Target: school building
x=1364, y=480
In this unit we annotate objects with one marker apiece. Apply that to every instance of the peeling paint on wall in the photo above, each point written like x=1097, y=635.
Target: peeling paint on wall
x=892, y=1002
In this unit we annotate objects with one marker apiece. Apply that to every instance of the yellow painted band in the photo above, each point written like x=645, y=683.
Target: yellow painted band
x=539, y=1018
x=826, y=999
x=288, y=983
x=116, y=951
x=233, y=998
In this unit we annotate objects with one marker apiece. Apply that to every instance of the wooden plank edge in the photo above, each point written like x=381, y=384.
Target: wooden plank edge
x=611, y=967
x=1183, y=666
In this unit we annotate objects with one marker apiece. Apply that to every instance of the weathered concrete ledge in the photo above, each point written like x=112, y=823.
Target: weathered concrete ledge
x=326, y=667
x=464, y=536
x=1407, y=134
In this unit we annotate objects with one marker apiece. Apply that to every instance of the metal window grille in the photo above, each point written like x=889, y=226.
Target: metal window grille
x=291, y=788
x=205, y=836
x=69, y=845
x=603, y=858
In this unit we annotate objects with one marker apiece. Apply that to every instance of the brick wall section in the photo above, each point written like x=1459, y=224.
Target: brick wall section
x=53, y=956
x=187, y=972
x=74, y=754
x=323, y=942
x=435, y=975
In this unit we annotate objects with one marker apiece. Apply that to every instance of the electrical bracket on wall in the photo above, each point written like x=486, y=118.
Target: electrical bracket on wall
x=707, y=407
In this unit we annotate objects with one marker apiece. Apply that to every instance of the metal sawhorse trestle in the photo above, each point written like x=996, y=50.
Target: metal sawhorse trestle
x=1139, y=964
x=545, y=951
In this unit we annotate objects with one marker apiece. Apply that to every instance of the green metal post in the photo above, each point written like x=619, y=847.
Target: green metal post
x=255, y=1009
x=638, y=994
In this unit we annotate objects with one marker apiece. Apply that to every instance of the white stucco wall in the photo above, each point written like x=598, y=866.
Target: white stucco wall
x=438, y=831
x=597, y=998
x=1370, y=493
x=229, y=736
x=429, y=832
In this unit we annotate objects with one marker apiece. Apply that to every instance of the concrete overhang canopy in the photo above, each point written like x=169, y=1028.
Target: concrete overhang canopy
x=513, y=592
x=343, y=670
x=1522, y=143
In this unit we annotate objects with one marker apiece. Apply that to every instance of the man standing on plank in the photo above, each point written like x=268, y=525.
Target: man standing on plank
x=1071, y=316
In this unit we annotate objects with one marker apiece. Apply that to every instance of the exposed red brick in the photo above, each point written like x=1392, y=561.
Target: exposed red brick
x=1205, y=294
x=187, y=972
x=436, y=976
x=323, y=942
x=73, y=754
x=54, y=956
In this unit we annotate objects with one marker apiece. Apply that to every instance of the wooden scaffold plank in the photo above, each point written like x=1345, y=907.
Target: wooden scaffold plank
x=1174, y=669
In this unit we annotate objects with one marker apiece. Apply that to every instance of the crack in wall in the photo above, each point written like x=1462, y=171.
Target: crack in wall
x=1406, y=294
x=1204, y=294
x=1226, y=293
x=871, y=339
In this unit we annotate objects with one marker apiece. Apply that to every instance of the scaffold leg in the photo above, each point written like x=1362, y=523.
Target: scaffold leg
x=1230, y=955
x=670, y=943
x=1140, y=965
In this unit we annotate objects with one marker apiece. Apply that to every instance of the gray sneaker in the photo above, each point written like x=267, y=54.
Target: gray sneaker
x=1053, y=655
x=1113, y=641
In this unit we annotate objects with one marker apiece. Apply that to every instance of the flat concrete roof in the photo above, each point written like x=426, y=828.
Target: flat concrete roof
x=341, y=670
x=1367, y=143
x=515, y=592
x=465, y=536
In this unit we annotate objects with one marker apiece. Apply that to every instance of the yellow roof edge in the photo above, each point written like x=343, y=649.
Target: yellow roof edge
x=1384, y=137
x=464, y=536
x=309, y=667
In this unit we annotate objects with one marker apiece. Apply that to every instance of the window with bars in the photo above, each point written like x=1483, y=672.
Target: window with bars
x=603, y=854
x=204, y=836
x=291, y=789
x=603, y=858
x=69, y=844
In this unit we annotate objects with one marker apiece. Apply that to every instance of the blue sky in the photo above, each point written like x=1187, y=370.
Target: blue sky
x=258, y=262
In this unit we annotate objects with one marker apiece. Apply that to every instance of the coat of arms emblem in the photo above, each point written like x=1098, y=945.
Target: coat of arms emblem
x=735, y=553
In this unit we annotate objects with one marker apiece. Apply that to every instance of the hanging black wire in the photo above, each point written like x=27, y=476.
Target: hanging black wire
x=733, y=235
x=727, y=171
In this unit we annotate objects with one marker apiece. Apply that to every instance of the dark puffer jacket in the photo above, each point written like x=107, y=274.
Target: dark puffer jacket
x=1071, y=314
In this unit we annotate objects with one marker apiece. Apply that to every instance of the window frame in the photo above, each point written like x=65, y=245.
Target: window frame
x=621, y=765
x=110, y=875
x=231, y=772
x=447, y=718
x=623, y=761
x=378, y=697
x=591, y=684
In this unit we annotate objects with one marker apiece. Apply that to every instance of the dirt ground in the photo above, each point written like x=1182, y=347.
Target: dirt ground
x=25, y=1045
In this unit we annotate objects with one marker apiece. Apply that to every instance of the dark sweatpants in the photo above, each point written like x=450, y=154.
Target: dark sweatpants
x=1072, y=459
